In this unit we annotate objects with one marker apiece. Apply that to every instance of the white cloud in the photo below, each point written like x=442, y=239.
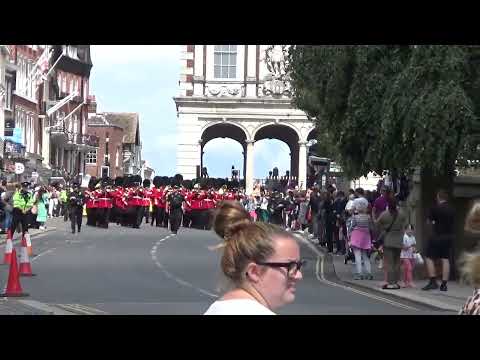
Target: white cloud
x=109, y=55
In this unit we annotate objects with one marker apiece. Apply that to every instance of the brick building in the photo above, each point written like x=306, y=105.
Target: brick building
x=107, y=159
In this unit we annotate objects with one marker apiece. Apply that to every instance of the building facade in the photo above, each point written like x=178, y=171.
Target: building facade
x=123, y=155
x=66, y=95
x=107, y=159
x=230, y=91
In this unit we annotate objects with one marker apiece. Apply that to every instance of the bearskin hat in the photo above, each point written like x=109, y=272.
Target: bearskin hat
x=146, y=183
x=157, y=181
x=119, y=181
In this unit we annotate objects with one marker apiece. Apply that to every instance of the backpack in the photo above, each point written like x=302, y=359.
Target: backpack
x=176, y=201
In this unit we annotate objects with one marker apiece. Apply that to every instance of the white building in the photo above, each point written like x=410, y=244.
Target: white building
x=228, y=91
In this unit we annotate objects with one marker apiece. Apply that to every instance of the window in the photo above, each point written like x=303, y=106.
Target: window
x=225, y=61
x=8, y=98
x=64, y=83
x=91, y=157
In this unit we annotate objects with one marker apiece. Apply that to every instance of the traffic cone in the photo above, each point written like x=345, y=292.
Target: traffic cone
x=14, y=289
x=25, y=267
x=7, y=258
x=29, y=244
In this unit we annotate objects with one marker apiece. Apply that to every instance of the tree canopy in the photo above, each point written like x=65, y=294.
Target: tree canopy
x=391, y=107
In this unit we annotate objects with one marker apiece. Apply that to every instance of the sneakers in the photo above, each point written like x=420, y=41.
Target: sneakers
x=369, y=277
x=357, y=277
x=432, y=285
x=443, y=287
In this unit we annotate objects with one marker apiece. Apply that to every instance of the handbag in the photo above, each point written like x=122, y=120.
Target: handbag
x=381, y=238
x=418, y=259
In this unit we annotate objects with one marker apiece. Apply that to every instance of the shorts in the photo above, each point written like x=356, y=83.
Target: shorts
x=439, y=247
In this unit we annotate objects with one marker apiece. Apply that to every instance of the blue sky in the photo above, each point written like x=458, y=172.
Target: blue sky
x=144, y=79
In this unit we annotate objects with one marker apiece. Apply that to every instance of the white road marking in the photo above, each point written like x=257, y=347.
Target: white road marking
x=169, y=275
x=43, y=253
x=320, y=275
x=86, y=310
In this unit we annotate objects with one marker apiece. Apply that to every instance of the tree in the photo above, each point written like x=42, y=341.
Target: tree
x=392, y=107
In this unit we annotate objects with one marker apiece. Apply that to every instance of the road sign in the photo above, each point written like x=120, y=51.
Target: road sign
x=19, y=168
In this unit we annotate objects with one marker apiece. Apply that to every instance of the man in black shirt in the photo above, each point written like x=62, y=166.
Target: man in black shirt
x=175, y=202
x=76, y=199
x=439, y=246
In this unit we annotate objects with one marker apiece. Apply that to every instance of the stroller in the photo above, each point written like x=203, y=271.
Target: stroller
x=349, y=256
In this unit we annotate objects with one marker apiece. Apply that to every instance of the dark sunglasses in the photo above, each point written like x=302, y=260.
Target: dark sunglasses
x=292, y=266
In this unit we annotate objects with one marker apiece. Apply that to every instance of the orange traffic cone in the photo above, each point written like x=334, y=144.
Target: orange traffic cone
x=25, y=267
x=29, y=244
x=14, y=289
x=7, y=258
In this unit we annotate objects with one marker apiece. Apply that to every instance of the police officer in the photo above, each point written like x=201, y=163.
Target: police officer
x=22, y=205
x=76, y=199
x=174, y=205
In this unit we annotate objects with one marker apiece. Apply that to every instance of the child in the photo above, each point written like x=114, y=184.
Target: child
x=407, y=256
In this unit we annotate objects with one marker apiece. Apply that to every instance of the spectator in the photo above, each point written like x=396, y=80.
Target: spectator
x=407, y=257
x=41, y=200
x=329, y=220
x=7, y=201
x=471, y=273
x=262, y=261
x=360, y=240
x=339, y=215
x=442, y=217
x=392, y=222
x=380, y=204
x=304, y=207
x=471, y=263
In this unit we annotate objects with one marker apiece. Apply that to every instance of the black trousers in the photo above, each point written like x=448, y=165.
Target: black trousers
x=187, y=219
x=175, y=219
x=160, y=216
x=139, y=214
x=329, y=228
x=91, y=216
x=19, y=218
x=147, y=213
x=103, y=217
x=76, y=217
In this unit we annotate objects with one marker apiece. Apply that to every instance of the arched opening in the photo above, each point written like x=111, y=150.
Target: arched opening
x=270, y=153
x=226, y=147
x=220, y=154
x=284, y=134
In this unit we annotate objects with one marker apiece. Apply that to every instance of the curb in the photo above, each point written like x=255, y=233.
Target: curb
x=3, y=241
x=414, y=299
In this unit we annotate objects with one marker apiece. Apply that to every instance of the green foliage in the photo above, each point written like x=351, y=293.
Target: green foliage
x=391, y=107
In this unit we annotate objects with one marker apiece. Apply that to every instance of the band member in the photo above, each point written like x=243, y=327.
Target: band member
x=146, y=199
x=174, y=206
x=76, y=199
x=104, y=203
x=90, y=202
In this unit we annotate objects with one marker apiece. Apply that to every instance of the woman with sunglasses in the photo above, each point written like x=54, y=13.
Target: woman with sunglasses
x=260, y=260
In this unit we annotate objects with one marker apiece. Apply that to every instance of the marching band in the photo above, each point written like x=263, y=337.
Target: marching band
x=127, y=201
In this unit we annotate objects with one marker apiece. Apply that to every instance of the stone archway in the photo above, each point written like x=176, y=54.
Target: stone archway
x=286, y=134
x=223, y=130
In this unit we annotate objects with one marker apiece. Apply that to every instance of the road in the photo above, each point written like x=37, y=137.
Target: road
x=150, y=271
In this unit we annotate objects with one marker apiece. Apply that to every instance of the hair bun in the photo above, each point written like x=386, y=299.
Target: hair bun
x=230, y=217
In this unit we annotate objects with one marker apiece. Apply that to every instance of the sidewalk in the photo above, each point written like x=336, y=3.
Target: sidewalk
x=14, y=306
x=452, y=300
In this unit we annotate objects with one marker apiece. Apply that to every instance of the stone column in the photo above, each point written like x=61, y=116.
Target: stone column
x=302, y=165
x=249, y=172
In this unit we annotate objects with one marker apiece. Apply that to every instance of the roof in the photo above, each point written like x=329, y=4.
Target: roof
x=130, y=124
